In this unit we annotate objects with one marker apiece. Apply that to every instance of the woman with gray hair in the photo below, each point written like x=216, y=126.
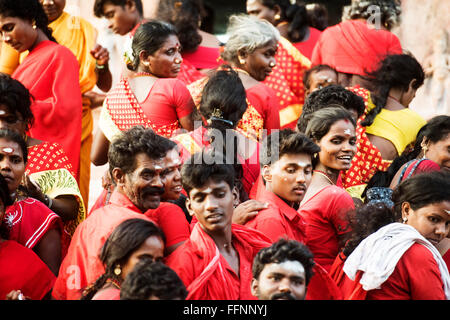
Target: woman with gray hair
x=250, y=50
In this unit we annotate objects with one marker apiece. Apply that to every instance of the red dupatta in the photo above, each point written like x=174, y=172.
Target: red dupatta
x=213, y=282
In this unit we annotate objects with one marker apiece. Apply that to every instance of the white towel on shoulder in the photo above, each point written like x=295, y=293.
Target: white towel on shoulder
x=379, y=253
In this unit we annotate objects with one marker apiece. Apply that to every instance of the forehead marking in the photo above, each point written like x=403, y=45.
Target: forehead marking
x=8, y=150
x=292, y=265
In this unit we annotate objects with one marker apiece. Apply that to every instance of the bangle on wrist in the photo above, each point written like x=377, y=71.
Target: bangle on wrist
x=100, y=66
x=48, y=201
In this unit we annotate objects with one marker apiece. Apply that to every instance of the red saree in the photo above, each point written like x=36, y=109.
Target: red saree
x=50, y=168
x=51, y=73
x=286, y=80
x=367, y=159
x=21, y=269
x=353, y=47
x=206, y=273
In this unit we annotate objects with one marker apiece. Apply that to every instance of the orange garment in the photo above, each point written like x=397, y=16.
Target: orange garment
x=205, y=272
x=286, y=80
x=50, y=73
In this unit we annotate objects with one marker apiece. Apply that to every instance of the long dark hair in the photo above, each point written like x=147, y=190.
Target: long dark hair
x=7, y=201
x=223, y=104
x=395, y=72
x=185, y=15
x=126, y=238
x=295, y=14
x=29, y=10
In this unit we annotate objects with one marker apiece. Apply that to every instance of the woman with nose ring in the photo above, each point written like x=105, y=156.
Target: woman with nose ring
x=325, y=204
x=151, y=95
x=250, y=50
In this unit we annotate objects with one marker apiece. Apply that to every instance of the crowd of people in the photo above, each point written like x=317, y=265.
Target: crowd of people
x=284, y=163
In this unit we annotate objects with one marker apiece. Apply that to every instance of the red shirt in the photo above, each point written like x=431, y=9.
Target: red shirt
x=204, y=57
x=307, y=47
x=265, y=101
x=82, y=266
x=206, y=273
x=278, y=220
x=324, y=214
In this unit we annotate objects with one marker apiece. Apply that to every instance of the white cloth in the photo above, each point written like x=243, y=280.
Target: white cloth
x=379, y=253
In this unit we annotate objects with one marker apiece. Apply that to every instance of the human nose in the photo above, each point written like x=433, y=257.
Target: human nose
x=211, y=203
x=178, y=58
x=6, y=37
x=285, y=285
x=442, y=230
x=272, y=63
x=300, y=177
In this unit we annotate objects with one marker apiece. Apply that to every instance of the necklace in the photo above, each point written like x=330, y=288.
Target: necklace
x=282, y=23
x=325, y=175
x=242, y=71
x=142, y=74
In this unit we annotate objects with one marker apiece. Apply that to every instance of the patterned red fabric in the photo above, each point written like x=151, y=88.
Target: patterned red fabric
x=367, y=159
x=188, y=73
x=286, y=80
x=126, y=112
x=47, y=156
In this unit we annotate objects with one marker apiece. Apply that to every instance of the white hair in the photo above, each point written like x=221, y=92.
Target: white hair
x=247, y=33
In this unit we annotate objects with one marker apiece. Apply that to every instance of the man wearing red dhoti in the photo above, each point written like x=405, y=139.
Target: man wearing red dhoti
x=216, y=262
x=137, y=167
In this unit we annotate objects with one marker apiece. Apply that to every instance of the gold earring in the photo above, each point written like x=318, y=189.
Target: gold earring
x=117, y=270
x=405, y=219
x=277, y=17
x=241, y=61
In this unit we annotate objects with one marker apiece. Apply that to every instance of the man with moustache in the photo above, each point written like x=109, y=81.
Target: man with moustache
x=215, y=262
x=286, y=170
x=282, y=271
x=137, y=166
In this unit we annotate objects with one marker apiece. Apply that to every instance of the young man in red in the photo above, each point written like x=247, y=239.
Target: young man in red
x=215, y=262
x=286, y=170
x=138, y=168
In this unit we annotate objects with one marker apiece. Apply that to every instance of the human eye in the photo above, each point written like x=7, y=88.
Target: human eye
x=336, y=141
x=16, y=159
x=353, y=141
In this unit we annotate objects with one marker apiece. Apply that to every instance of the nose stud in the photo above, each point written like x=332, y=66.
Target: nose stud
x=272, y=64
x=177, y=61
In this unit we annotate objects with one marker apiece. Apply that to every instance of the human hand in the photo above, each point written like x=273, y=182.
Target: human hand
x=96, y=98
x=16, y=295
x=247, y=211
x=100, y=54
x=33, y=189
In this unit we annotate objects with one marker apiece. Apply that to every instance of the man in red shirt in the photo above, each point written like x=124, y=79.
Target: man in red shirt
x=137, y=166
x=215, y=263
x=286, y=169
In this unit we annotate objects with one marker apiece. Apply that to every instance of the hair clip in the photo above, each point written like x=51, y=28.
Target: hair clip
x=217, y=113
x=228, y=122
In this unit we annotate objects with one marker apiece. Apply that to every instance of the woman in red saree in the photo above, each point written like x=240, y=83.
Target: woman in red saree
x=286, y=77
x=151, y=96
x=50, y=72
x=250, y=50
x=29, y=222
x=22, y=270
x=49, y=174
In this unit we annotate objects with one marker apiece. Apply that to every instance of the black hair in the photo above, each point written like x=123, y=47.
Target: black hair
x=323, y=119
x=149, y=37
x=29, y=10
x=205, y=165
x=285, y=141
x=330, y=95
x=13, y=136
x=388, y=12
x=7, y=201
x=295, y=14
x=123, y=150
x=284, y=250
x=317, y=15
x=315, y=69
x=16, y=98
x=366, y=220
x=422, y=189
x=98, y=6
x=419, y=191
x=152, y=279
x=185, y=15
x=126, y=238
x=394, y=72
x=223, y=103
x=436, y=129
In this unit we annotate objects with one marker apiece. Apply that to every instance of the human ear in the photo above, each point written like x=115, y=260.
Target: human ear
x=189, y=207
x=118, y=176
x=406, y=210
x=267, y=173
x=254, y=287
